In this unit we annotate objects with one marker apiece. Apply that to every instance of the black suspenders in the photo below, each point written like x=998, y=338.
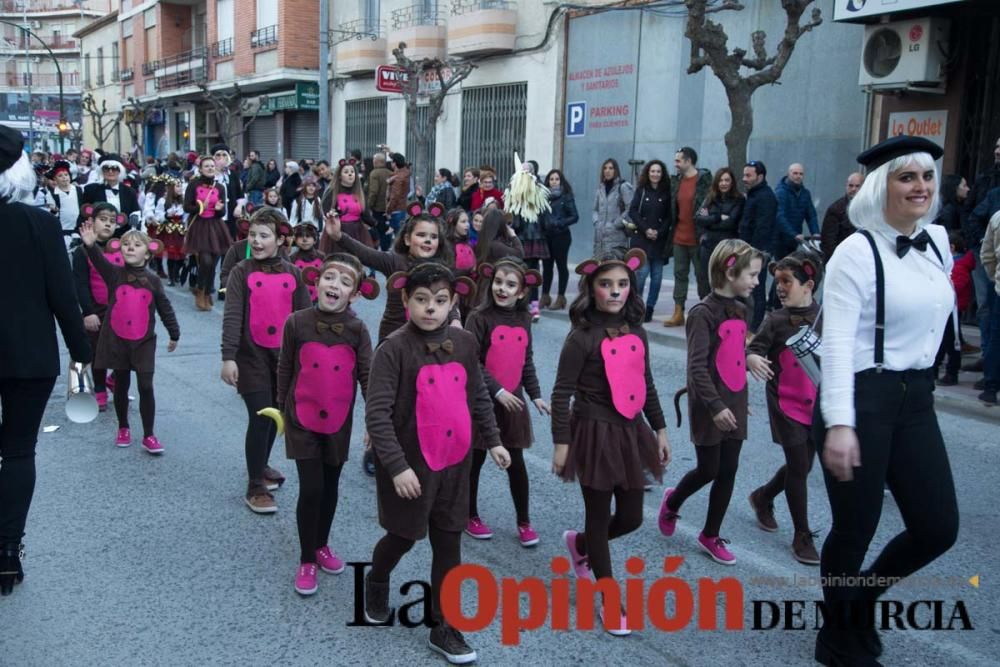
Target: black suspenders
x=880, y=298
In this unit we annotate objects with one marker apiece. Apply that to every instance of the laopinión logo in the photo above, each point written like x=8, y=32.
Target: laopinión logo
x=550, y=602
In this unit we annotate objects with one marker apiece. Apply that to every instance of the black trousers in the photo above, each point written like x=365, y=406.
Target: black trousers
x=901, y=446
x=558, y=258
x=23, y=402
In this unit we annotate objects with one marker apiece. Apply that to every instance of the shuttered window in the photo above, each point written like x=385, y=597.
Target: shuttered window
x=365, y=122
x=493, y=122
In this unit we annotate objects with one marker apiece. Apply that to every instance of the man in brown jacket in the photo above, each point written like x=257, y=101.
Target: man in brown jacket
x=377, y=196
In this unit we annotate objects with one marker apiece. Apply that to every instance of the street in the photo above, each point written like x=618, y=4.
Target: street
x=134, y=560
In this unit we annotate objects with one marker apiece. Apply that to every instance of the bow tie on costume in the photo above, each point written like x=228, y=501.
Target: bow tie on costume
x=799, y=320
x=112, y=190
x=614, y=333
x=133, y=278
x=336, y=328
x=904, y=243
x=270, y=267
x=446, y=346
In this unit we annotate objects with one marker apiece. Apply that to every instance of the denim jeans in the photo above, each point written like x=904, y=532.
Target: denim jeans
x=256, y=197
x=652, y=269
x=983, y=286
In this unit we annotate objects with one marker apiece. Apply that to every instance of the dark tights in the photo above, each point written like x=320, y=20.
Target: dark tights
x=558, y=255
x=601, y=526
x=100, y=378
x=147, y=402
x=261, y=433
x=446, y=549
x=716, y=464
x=206, y=271
x=317, y=505
x=533, y=263
x=517, y=475
x=791, y=478
x=174, y=267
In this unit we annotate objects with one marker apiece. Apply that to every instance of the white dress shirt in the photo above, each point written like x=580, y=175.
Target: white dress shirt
x=919, y=297
x=69, y=206
x=112, y=197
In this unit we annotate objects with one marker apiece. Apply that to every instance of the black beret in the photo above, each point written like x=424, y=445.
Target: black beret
x=890, y=149
x=59, y=165
x=11, y=147
x=220, y=147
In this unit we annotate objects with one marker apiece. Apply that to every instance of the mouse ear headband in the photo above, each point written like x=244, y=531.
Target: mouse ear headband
x=155, y=247
x=367, y=287
x=462, y=286
x=634, y=259
x=343, y=163
x=530, y=277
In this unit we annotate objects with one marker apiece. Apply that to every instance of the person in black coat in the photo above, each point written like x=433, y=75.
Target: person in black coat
x=40, y=292
x=112, y=190
x=290, y=186
x=555, y=227
x=758, y=226
x=652, y=216
x=720, y=214
x=837, y=225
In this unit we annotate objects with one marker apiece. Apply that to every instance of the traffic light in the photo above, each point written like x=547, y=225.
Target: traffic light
x=63, y=127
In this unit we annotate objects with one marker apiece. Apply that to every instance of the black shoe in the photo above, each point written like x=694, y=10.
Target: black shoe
x=221, y=295
x=980, y=384
x=649, y=315
x=368, y=463
x=835, y=653
x=947, y=380
x=975, y=367
x=988, y=397
x=377, y=608
x=11, y=571
x=450, y=643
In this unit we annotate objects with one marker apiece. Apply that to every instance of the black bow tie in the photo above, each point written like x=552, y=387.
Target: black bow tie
x=112, y=190
x=904, y=243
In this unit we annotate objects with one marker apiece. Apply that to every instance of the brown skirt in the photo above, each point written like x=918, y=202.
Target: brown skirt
x=356, y=230
x=605, y=455
x=301, y=444
x=207, y=235
x=515, y=426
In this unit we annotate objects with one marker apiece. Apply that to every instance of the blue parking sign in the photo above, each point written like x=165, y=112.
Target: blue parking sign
x=576, y=119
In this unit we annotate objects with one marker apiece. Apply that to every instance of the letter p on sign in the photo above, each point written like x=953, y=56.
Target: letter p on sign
x=576, y=119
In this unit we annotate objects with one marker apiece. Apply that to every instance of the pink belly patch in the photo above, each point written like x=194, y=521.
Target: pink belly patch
x=98, y=289
x=731, y=357
x=444, y=425
x=625, y=368
x=796, y=392
x=324, y=390
x=270, y=305
x=505, y=358
x=465, y=257
x=318, y=262
x=130, y=314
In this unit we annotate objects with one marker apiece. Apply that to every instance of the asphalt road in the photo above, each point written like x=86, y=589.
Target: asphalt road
x=139, y=561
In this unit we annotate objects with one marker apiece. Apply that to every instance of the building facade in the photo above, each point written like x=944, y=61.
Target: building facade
x=101, y=79
x=41, y=82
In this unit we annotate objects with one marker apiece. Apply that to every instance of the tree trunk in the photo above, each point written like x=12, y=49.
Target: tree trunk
x=740, y=127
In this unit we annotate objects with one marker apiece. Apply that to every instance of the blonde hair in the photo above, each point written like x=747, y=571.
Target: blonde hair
x=142, y=237
x=730, y=254
x=867, y=209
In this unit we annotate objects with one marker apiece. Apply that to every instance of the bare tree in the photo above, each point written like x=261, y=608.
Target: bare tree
x=234, y=114
x=449, y=72
x=134, y=114
x=103, y=122
x=709, y=46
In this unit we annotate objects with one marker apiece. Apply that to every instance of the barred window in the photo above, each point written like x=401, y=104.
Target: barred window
x=493, y=127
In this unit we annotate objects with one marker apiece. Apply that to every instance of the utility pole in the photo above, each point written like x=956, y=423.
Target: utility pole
x=324, y=80
x=25, y=34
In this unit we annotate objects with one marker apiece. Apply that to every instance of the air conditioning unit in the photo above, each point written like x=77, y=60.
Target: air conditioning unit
x=36, y=24
x=905, y=54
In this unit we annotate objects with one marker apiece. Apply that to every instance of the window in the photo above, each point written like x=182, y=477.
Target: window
x=149, y=18
x=115, y=62
x=267, y=13
x=493, y=122
x=126, y=27
x=224, y=19
x=370, y=13
x=100, y=67
x=86, y=70
x=152, y=53
x=127, y=53
x=365, y=122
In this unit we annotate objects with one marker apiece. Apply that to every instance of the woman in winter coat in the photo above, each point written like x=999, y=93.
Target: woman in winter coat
x=720, y=214
x=271, y=175
x=555, y=227
x=954, y=191
x=443, y=190
x=650, y=215
x=611, y=203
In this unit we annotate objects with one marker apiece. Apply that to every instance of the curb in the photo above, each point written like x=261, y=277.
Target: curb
x=944, y=400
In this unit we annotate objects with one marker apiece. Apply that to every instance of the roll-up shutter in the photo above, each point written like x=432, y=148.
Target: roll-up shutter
x=263, y=138
x=303, y=135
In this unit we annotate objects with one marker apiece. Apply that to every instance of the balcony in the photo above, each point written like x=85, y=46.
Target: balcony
x=264, y=37
x=478, y=27
x=17, y=7
x=223, y=48
x=360, y=47
x=127, y=74
x=55, y=42
x=43, y=80
x=421, y=29
x=184, y=69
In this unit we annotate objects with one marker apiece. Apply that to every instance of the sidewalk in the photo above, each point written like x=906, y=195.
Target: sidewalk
x=960, y=399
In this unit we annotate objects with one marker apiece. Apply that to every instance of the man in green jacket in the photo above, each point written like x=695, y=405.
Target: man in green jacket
x=688, y=189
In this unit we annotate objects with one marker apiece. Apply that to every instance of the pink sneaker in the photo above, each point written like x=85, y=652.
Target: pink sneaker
x=477, y=529
x=581, y=564
x=152, y=445
x=102, y=400
x=305, y=579
x=328, y=561
x=124, y=438
x=527, y=535
x=619, y=630
x=715, y=547
x=536, y=313
x=668, y=517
